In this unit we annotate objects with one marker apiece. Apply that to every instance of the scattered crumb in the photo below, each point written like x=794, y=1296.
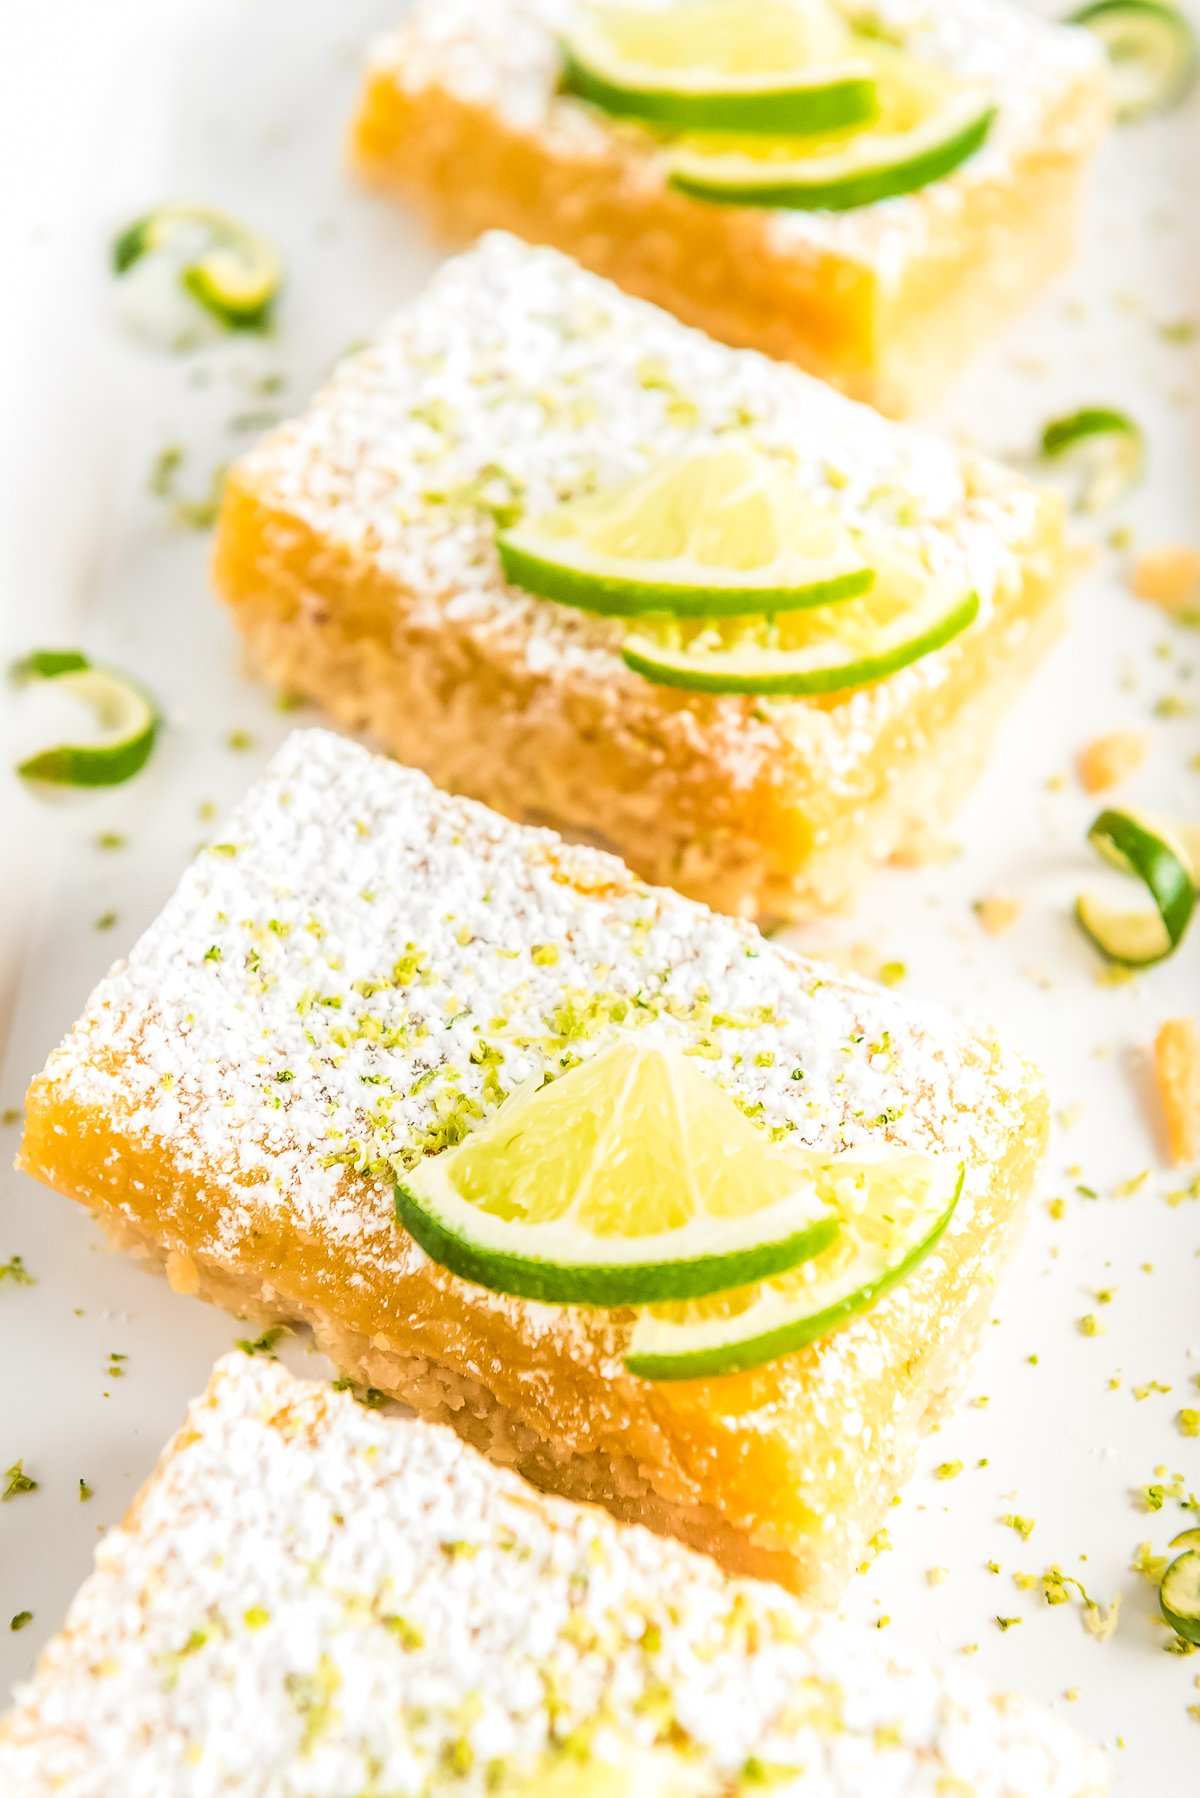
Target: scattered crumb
x=936, y=1576
x=1109, y=760
x=1169, y=577
x=1177, y=1066
x=998, y=913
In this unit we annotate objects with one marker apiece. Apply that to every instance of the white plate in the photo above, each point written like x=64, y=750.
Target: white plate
x=243, y=103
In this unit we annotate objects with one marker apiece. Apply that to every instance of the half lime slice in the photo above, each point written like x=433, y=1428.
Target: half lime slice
x=832, y=650
x=1103, y=449
x=1179, y=1595
x=126, y=713
x=711, y=534
x=720, y=65
x=631, y=1178
x=227, y=268
x=1152, y=54
x=1166, y=859
x=893, y=1209
x=927, y=125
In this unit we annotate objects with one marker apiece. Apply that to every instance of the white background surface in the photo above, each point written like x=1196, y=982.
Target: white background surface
x=106, y=110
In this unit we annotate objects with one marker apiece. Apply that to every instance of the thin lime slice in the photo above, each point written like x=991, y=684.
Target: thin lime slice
x=1179, y=1595
x=833, y=650
x=1165, y=863
x=1152, y=54
x=1104, y=450
x=893, y=1211
x=719, y=65
x=124, y=710
x=633, y=1177
x=712, y=534
x=227, y=268
x=927, y=126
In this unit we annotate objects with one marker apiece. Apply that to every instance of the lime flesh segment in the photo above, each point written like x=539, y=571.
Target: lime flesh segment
x=1152, y=53
x=710, y=534
x=718, y=65
x=893, y=1210
x=232, y=272
x=629, y=1179
x=125, y=712
x=1106, y=449
x=927, y=126
x=1179, y=1595
x=830, y=661
x=1164, y=863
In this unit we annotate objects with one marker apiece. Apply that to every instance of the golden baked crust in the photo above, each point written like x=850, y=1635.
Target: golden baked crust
x=361, y=969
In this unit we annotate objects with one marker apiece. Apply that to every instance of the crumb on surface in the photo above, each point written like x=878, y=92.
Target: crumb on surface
x=998, y=912
x=1111, y=759
x=1169, y=577
x=1177, y=1067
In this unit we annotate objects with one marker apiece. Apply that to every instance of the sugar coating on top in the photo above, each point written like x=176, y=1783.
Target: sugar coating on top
x=363, y=968
x=517, y=380
x=504, y=55
x=311, y=1601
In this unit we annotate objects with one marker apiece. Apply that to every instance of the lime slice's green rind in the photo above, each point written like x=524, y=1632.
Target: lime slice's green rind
x=1152, y=37
x=1185, y=1539
x=611, y=1284
x=618, y=597
x=1124, y=842
x=789, y=190
x=833, y=99
x=792, y=674
x=236, y=280
x=772, y=1345
x=1179, y=1595
x=109, y=762
x=1087, y=429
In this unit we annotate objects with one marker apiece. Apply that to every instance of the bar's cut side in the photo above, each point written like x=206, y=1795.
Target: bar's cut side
x=309, y=1598
x=887, y=301
x=356, y=549
x=360, y=971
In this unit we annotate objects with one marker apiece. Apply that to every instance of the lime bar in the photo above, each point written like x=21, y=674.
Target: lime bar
x=365, y=983
x=600, y=572
x=310, y=1596
x=774, y=67
x=874, y=200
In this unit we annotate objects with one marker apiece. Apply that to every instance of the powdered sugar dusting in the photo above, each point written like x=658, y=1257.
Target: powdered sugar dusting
x=311, y=1600
x=503, y=54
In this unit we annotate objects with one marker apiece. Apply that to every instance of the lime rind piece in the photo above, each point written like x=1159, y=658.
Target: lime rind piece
x=824, y=667
x=712, y=533
x=1179, y=1595
x=1152, y=50
x=227, y=268
x=786, y=1314
x=641, y=1270
x=1153, y=854
x=716, y=65
x=631, y=1178
x=1105, y=448
x=126, y=712
x=871, y=165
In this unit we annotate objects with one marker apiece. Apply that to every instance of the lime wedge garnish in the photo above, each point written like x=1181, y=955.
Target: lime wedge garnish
x=1166, y=859
x=892, y=1211
x=716, y=533
x=227, y=268
x=1102, y=448
x=721, y=65
x=1152, y=53
x=1179, y=1595
x=830, y=650
x=631, y=1178
x=926, y=126
x=127, y=715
